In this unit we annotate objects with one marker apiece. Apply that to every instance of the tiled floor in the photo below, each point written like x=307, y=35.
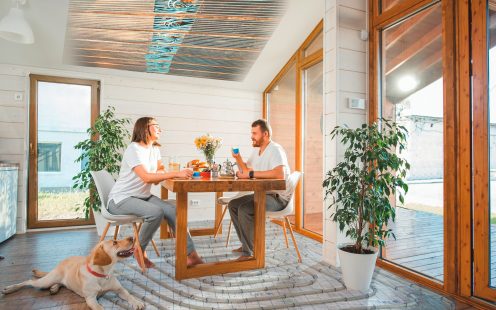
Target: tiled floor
x=282, y=284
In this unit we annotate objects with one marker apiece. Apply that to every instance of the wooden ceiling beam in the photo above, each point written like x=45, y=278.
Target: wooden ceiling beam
x=200, y=34
x=182, y=45
x=413, y=49
x=141, y=62
x=180, y=16
x=143, y=53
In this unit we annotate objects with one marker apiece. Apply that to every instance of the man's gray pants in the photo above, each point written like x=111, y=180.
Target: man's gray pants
x=153, y=210
x=242, y=211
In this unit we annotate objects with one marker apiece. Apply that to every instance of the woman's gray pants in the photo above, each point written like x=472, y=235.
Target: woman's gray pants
x=152, y=210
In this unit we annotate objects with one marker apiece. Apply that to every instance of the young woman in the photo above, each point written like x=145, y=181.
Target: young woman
x=140, y=168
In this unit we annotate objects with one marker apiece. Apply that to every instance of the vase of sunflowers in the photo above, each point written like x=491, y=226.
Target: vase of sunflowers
x=208, y=145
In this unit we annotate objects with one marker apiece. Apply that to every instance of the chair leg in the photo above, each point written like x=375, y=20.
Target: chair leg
x=229, y=233
x=105, y=232
x=220, y=222
x=116, y=232
x=138, y=248
x=294, y=240
x=155, y=248
x=285, y=233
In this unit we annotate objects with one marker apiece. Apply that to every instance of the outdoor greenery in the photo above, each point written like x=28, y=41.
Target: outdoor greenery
x=101, y=150
x=362, y=185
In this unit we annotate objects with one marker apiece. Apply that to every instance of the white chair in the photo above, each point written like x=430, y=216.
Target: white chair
x=104, y=183
x=281, y=215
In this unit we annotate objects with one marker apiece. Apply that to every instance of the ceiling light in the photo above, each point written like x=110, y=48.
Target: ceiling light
x=407, y=83
x=14, y=27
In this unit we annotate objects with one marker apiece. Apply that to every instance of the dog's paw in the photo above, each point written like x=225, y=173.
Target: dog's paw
x=54, y=289
x=138, y=304
x=8, y=289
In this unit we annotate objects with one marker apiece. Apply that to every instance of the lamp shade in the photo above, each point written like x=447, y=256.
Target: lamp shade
x=15, y=28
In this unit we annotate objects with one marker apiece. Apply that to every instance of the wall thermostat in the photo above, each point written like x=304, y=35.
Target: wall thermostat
x=356, y=103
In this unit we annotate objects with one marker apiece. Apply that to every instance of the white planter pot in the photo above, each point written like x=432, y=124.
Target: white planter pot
x=101, y=223
x=357, y=269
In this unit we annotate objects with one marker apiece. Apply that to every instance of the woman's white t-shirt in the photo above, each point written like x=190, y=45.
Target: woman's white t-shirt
x=129, y=183
x=273, y=156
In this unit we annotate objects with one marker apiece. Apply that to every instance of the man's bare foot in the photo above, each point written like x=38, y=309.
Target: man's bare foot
x=193, y=259
x=238, y=250
x=242, y=258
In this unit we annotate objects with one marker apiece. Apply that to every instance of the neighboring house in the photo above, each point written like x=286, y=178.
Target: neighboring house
x=56, y=159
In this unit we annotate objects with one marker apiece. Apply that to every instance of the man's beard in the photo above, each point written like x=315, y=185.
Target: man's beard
x=256, y=143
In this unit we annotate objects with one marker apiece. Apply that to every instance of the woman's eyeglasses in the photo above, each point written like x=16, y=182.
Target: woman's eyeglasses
x=157, y=126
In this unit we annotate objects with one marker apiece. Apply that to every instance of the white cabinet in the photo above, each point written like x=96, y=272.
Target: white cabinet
x=8, y=200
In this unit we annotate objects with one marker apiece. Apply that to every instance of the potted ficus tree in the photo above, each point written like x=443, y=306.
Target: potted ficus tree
x=101, y=150
x=363, y=188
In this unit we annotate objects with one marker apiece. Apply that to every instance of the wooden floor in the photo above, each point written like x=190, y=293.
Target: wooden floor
x=43, y=250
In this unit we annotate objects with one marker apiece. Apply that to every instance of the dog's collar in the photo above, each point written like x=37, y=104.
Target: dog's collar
x=96, y=274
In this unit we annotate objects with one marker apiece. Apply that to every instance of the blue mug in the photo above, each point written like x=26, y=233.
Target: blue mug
x=196, y=174
x=235, y=150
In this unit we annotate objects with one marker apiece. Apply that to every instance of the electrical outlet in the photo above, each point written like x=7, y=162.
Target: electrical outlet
x=194, y=202
x=18, y=96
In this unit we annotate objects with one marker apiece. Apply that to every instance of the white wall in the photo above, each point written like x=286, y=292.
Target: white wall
x=184, y=111
x=345, y=76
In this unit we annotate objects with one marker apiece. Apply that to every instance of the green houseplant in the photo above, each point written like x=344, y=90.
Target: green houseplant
x=101, y=150
x=361, y=187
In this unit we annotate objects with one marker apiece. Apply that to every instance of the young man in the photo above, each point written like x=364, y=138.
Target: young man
x=267, y=161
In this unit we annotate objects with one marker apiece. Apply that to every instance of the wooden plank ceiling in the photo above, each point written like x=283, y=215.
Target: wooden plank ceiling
x=215, y=39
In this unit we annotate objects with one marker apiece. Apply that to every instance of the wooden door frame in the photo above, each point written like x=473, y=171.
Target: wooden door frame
x=302, y=63
x=32, y=205
x=458, y=134
x=481, y=165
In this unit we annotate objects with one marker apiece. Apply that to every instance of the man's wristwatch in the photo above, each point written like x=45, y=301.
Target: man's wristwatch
x=251, y=174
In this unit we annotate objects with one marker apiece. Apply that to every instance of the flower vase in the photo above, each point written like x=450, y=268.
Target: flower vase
x=210, y=162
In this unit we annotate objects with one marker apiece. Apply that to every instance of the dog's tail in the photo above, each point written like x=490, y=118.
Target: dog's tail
x=39, y=274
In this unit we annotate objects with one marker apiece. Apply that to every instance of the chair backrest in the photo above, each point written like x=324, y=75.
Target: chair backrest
x=291, y=184
x=104, y=183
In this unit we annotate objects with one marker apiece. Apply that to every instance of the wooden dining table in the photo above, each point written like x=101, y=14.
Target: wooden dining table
x=184, y=186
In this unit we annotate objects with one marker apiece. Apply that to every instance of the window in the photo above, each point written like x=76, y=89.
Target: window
x=49, y=157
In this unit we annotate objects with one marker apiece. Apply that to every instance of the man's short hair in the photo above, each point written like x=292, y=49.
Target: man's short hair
x=264, y=126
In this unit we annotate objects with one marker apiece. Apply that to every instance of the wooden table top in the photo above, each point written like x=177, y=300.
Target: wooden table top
x=223, y=185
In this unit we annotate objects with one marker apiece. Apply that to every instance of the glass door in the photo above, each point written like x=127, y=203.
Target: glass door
x=313, y=150
x=412, y=94
x=484, y=148
x=61, y=110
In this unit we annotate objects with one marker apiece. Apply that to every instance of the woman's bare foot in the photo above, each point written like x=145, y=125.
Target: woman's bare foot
x=148, y=263
x=193, y=259
x=138, y=256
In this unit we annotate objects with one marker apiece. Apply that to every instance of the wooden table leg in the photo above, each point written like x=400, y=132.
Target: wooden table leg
x=181, y=234
x=218, y=214
x=259, y=238
x=164, y=226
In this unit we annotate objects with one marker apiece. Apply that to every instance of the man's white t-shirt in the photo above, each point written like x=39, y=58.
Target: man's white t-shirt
x=272, y=156
x=129, y=183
